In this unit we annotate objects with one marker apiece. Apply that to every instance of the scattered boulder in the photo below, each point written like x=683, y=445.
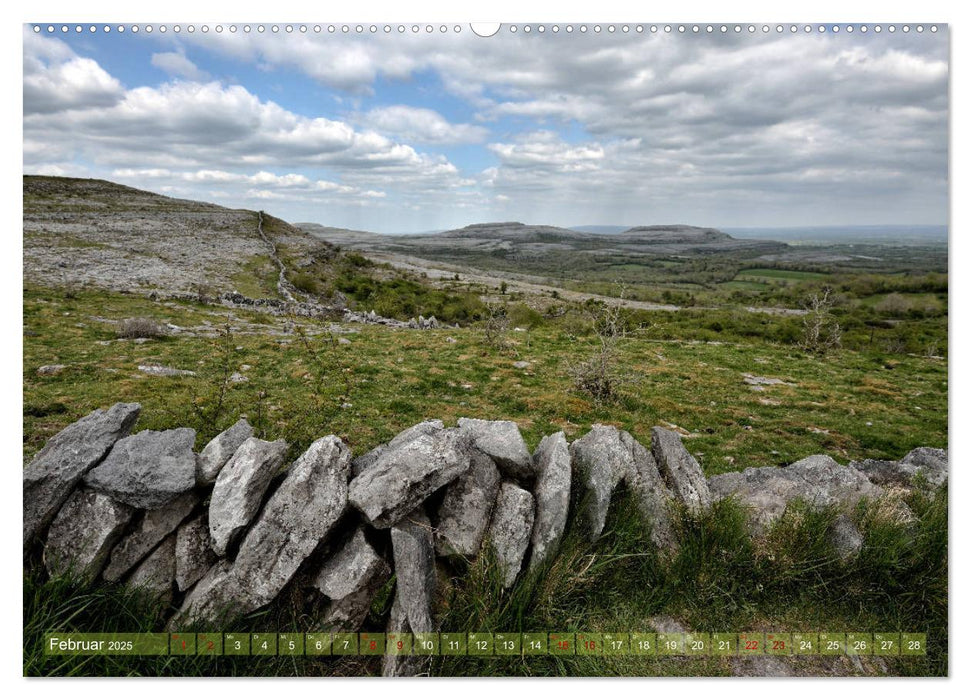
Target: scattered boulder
x=155, y=526
x=298, y=516
x=240, y=487
x=157, y=573
x=402, y=477
x=237, y=378
x=148, y=469
x=414, y=565
x=220, y=450
x=818, y=480
x=654, y=499
x=193, y=552
x=50, y=370
x=553, y=476
x=602, y=460
x=501, y=440
x=54, y=472
x=464, y=514
x=83, y=533
x=681, y=471
x=359, y=464
x=351, y=578
x=522, y=364
x=512, y=525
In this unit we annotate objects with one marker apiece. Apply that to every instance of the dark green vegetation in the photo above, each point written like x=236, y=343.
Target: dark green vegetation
x=720, y=580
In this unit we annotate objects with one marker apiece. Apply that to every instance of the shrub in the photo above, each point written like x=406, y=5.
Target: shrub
x=306, y=283
x=140, y=328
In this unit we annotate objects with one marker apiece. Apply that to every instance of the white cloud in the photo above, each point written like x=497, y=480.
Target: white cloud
x=176, y=64
x=55, y=79
x=421, y=125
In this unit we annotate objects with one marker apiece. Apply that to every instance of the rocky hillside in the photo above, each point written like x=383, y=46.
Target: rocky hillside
x=99, y=233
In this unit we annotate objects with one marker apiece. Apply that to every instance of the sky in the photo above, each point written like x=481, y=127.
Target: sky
x=407, y=132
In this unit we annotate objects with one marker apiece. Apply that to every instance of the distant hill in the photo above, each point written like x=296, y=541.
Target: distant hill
x=96, y=232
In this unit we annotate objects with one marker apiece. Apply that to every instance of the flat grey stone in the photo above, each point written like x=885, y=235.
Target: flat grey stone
x=366, y=460
x=155, y=526
x=156, y=574
x=148, y=469
x=602, y=461
x=54, y=472
x=240, y=487
x=512, y=525
x=49, y=370
x=819, y=481
x=161, y=371
x=351, y=578
x=220, y=450
x=299, y=515
x=654, y=499
x=464, y=514
x=83, y=533
x=553, y=475
x=680, y=470
x=193, y=552
x=501, y=440
x=414, y=564
x=403, y=477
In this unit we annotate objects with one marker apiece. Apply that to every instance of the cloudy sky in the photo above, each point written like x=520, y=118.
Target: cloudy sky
x=414, y=132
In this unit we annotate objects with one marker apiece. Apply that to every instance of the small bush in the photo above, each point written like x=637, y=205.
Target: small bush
x=140, y=328
x=306, y=283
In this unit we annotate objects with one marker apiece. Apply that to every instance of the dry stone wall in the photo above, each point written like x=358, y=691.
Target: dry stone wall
x=219, y=534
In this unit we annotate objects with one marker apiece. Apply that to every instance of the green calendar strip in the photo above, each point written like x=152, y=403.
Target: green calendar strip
x=488, y=644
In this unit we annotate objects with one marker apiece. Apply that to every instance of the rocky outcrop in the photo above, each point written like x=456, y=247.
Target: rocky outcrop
x=818, y=481
x=403, y=477
x=924, y=462
x=148, y=469
x=220, y=450
x=58, y=468
x=240, y=487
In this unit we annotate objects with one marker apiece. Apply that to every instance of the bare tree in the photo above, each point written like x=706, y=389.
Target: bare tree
x=821, y=332
x=598, y=375
x=496, y=325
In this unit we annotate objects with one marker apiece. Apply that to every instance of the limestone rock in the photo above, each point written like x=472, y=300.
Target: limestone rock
x=464, y=514
x=155, y=526
x=351, y=578
x=654, y=499
x=212, y=600
x=405, y=436
x=402, y=477
x=817, y=480
x=155, y=370
x=298, y=516
x=156, y=574
x=193, y=552
x=512, y=525
x=401, y=666
x=553, y=475
x=681, y=471
x=501, y=440
x=414, y=564
x=240, y=487
x=83, y=533
x=48, y=370
x=602, y=460
x=148, y=469
x=54, y=472
x=929, y=462
x=220, y=450
x=845, y=537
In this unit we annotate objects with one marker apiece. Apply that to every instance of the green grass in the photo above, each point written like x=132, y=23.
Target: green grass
x=759, y=274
